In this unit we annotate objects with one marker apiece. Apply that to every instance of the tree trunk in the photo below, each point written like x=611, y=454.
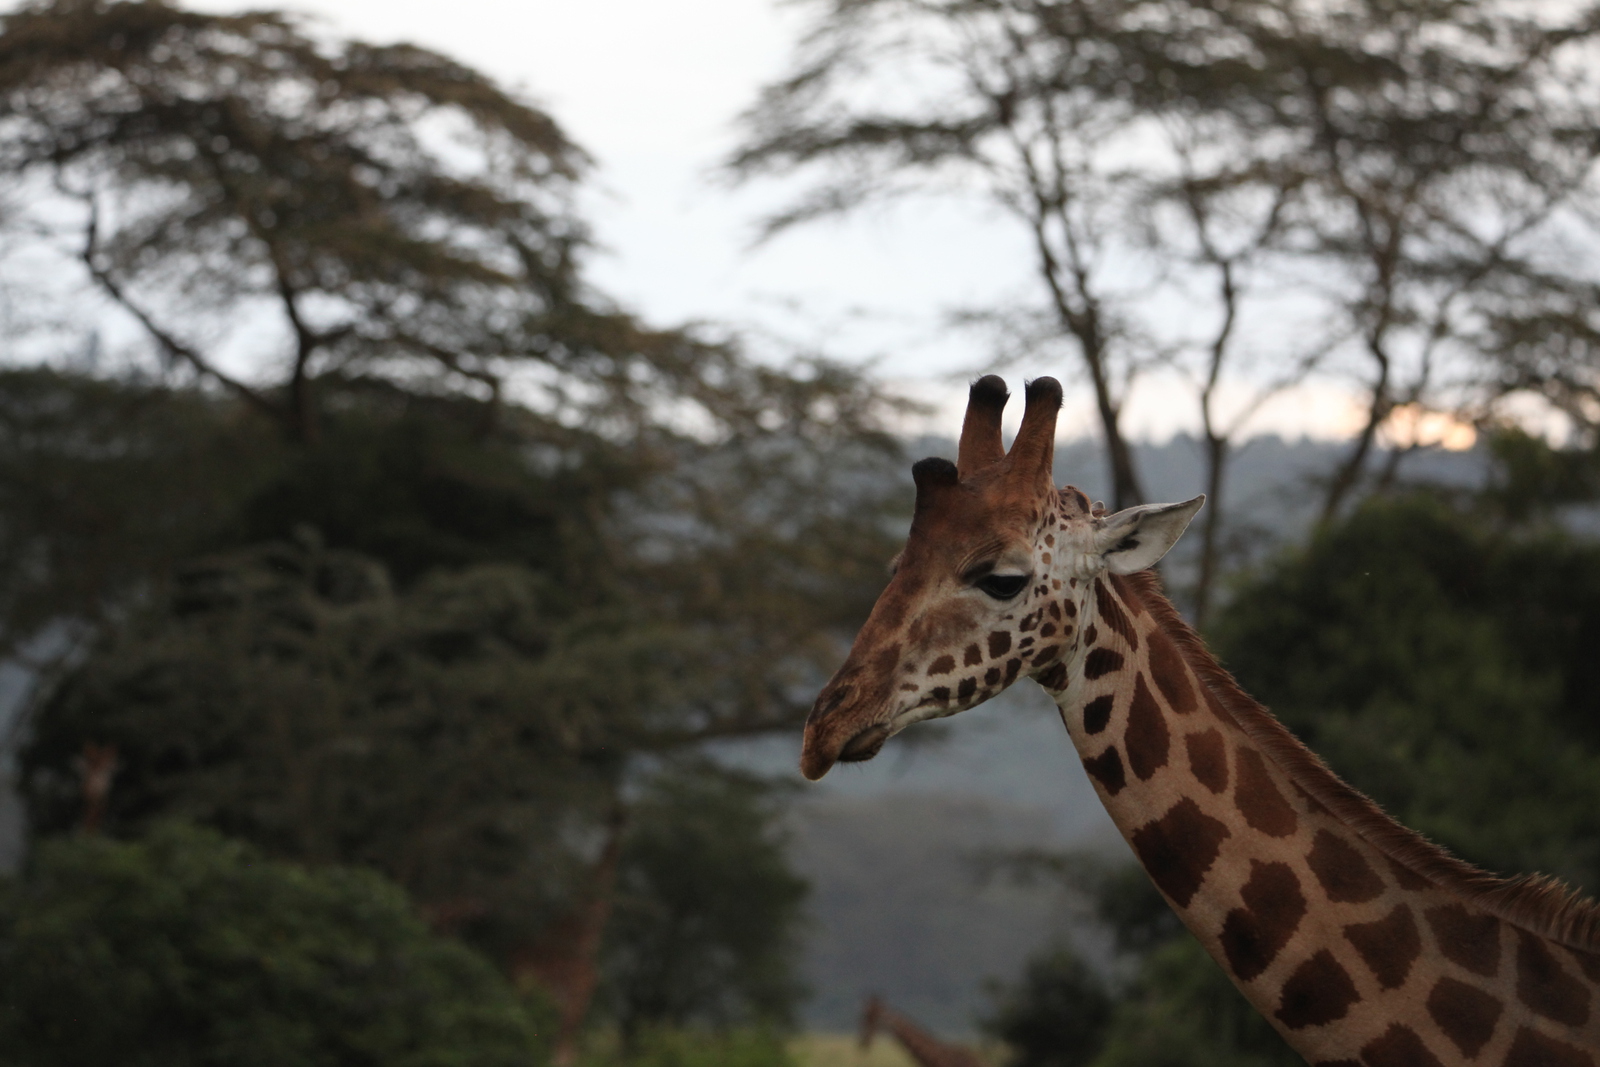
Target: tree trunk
x=1211, y=527
x=565, y=962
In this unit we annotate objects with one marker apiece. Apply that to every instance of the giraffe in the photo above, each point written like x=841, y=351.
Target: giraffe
x=1361, y=943
x=925, y=1049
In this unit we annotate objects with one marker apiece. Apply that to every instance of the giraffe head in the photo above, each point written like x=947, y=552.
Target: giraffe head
x=994, y=583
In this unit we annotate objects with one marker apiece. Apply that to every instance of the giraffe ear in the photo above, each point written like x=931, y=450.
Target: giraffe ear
x=1136, y=538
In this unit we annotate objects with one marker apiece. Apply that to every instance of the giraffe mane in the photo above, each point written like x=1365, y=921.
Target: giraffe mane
x=1538, y=903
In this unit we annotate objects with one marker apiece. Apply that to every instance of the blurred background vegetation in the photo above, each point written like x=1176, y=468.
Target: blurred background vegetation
x=392, y=618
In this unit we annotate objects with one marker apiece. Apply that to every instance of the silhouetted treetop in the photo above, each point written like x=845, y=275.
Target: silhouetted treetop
x=256, y=195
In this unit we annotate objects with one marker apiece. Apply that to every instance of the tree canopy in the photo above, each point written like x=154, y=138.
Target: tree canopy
x=279, y=212
x=386, y=539
x=1394, y=197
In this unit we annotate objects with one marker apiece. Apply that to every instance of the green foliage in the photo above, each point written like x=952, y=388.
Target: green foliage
x=559, y=617
x=103, y=484
x=1183, y=1012
x=360, y=607
x=290, y=696
x=189, y=949
x=1531, y=478
x=1055, y=1015
x=1446, y=667
x=707, y=915
x=418, y=485
x=1179, y=1009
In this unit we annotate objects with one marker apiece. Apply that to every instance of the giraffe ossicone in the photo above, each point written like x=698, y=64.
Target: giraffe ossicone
x=1362, y=943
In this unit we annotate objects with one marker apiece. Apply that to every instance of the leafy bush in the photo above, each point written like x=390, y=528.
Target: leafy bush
x=706, y=923
x=1055, y=1016
x=187, y=949
x=1183, y=1012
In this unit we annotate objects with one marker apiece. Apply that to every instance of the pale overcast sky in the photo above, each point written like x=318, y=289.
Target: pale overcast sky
x=651, y=88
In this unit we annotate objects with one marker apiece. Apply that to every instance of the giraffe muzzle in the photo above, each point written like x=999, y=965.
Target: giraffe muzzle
x=838, y=730
x=823, y=748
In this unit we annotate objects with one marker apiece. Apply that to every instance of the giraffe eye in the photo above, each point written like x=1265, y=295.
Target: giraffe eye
x=1003, y=586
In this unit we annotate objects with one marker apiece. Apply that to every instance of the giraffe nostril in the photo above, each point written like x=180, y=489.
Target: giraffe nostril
x=828, y=701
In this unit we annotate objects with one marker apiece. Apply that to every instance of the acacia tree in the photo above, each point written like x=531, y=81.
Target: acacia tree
x=315, y=210
x=1247, y=192
x=439, y=395
x=1446, y=154
x=1055, y=111
x=461, y=693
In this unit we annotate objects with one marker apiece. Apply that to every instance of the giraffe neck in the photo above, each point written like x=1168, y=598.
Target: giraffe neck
x=1360, y=942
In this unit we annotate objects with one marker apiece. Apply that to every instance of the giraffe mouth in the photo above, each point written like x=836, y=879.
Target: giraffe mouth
x=864, y=745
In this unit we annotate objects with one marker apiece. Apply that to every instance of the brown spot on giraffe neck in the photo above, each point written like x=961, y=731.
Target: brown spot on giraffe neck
x=1532, y=1049
x=1113, y=616
x=1257, y=796
x=1344, y=872
x=1398, y=1046
x=1178, y=849
x=942, y=665
x=1388, y=946
x=1101, y=662
x=999, y=643
x=1252, y=936
x=1465, y=1014
x=1146, y=737
x=972, y=656
x=1097, y=713
x=1171, y=674
x=1318, y=992
x=1467, y=939
x=1208, y=759
x=1545, y=987
x=1106, y=769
